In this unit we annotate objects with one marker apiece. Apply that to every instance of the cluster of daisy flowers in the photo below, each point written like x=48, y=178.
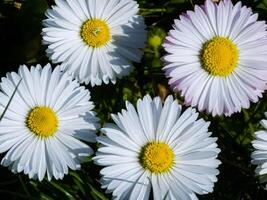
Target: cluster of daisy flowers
x=216, y=59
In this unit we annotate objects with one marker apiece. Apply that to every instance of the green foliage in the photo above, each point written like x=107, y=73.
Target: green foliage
x=20, y=28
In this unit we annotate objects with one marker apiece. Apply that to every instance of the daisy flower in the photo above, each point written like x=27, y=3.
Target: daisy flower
x=45, y=121
x=95, y=40
x=259, y=156
x=216, y=57
x=157, y=147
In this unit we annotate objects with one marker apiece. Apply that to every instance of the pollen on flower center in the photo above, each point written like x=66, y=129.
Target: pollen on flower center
x=95, y=32
x=156, y=157
x=219, y=56
x=42, y=121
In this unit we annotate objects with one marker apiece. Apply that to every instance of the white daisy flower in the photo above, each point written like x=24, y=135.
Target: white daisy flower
x=259, y=156
x=45, y=121
x=157, y=146
x=95, y=40
x=216, y=57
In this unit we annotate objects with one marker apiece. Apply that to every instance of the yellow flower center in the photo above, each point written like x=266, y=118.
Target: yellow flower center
x=42, y=121
x=219, y=56
x=95, y=32
x=156, y=157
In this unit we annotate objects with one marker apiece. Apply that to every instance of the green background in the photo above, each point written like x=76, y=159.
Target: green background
x=20, y=43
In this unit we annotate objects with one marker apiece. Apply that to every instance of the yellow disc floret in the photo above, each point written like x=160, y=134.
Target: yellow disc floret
x=219, y=56
x=42, y=121
x=95, y=32
x=156, y=157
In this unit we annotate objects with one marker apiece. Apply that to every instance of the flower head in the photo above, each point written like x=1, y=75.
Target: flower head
x=157, y=147
x=95, y=40
x=216, y=57
x=44, y=122
x=259, y=156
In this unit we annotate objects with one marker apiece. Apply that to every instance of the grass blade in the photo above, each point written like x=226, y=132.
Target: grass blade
x=13, y=94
